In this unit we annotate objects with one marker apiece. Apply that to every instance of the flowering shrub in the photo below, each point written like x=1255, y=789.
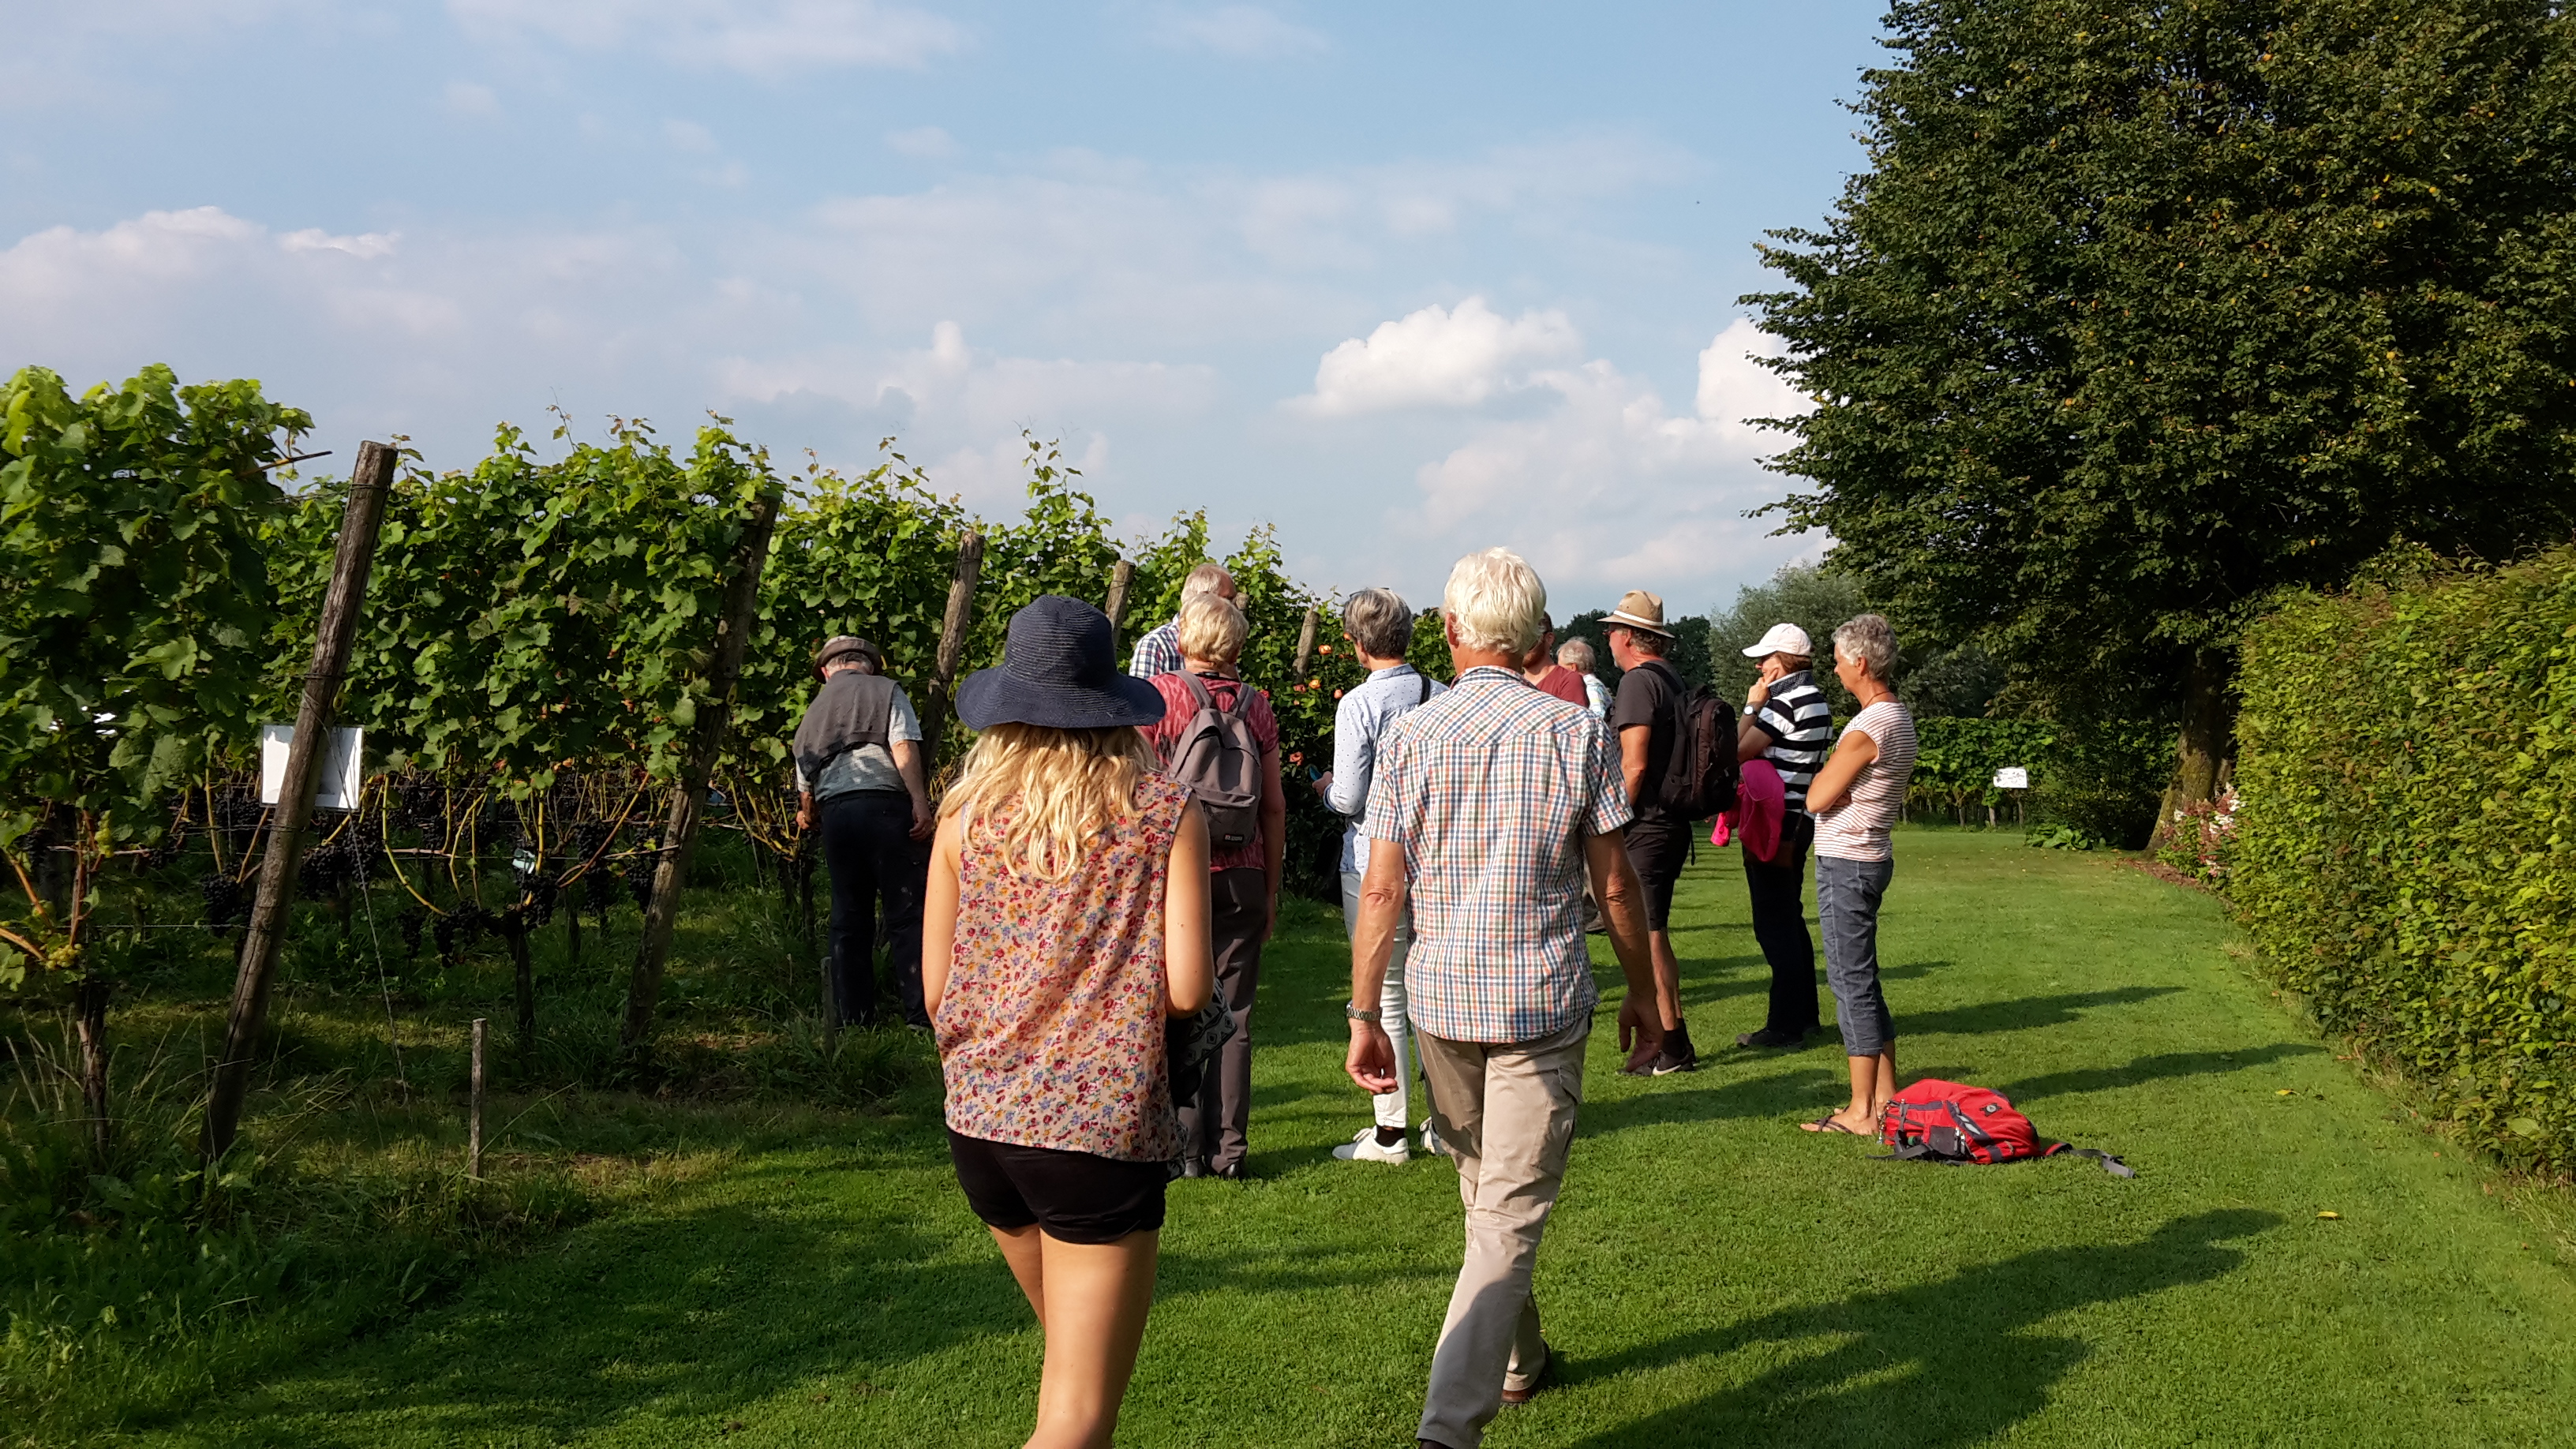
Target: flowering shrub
x=2202, y=841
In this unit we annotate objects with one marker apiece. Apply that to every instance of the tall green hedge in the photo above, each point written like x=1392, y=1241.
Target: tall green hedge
x=2406, y=855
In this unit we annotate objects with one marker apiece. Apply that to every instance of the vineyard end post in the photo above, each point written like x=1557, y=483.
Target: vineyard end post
x=1121, y=579
x=952, y=649
x=1306, y=639
x=360, y=521
x=688, y=803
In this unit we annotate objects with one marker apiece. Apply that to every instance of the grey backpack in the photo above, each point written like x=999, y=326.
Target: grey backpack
x=1219, y=760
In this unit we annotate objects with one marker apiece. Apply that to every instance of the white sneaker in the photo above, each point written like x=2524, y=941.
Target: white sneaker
x=1364, y=1147
x=1430, y=1139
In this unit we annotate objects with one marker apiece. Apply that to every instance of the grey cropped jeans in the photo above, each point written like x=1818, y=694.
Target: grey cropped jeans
x=1847, y=897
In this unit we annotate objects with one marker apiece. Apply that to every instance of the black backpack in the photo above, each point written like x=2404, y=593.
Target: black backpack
x=1700, y=776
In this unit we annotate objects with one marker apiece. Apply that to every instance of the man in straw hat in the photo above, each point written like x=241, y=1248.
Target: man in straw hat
x=1647, y=716
x=858, y=771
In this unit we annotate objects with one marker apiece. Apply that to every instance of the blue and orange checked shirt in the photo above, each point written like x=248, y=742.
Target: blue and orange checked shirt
x=1490, y=790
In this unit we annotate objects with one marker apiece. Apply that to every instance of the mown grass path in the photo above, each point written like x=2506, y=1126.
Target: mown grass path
x=1712, y=1276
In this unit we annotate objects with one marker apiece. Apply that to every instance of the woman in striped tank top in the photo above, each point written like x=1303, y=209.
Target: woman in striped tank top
x=1857, y=797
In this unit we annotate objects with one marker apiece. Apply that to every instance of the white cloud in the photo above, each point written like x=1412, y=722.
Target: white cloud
x=1436, y=358
x=924, y=143
x=366, y=246
x=755, y=37
x=1734, y=389
x=690, y=137
x=1244, y=32
x=471, y=99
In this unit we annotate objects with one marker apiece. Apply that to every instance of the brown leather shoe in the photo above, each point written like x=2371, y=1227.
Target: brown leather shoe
x=1538, y=1381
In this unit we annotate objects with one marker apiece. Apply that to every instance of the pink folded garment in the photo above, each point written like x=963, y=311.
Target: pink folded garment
x=1760, y=802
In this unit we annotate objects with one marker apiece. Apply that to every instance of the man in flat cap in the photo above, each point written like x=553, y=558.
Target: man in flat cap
x=859, y=773
x=1647, y=716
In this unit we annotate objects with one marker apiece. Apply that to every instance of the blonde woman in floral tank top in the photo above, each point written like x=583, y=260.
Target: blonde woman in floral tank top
x=1066, y=920
x=1857, y=798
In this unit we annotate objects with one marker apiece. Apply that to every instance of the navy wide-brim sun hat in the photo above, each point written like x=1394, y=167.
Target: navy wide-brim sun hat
x=1059, y=670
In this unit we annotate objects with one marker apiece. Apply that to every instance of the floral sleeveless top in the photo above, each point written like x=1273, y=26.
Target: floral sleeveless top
x=1051, y=1031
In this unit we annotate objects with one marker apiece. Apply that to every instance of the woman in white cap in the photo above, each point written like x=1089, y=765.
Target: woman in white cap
x=1067, y=919
x=1788, y=723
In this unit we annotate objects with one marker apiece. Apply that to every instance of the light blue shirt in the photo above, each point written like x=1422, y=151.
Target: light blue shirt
x=1358, y=725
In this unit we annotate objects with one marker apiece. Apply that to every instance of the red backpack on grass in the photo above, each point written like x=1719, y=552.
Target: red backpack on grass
x=1950, y=1123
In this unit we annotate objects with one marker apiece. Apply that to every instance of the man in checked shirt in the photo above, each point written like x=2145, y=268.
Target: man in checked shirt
x=1492, y=805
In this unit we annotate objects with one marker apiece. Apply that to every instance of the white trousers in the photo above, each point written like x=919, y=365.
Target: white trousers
x=1394, y=1109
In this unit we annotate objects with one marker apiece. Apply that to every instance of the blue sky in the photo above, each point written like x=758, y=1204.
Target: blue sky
x=1404, y=280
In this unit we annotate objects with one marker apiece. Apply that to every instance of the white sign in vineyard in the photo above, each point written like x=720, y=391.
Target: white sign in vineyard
x=340, y=775
x=2012, y=777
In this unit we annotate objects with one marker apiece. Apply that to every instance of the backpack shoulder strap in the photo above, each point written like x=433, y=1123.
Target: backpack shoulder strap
x=1426, y=688
x=1198, y=689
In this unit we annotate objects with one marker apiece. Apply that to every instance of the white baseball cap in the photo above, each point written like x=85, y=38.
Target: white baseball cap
x=1783, y=639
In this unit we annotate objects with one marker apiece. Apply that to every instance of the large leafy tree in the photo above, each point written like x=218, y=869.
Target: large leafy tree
x=2142, y=311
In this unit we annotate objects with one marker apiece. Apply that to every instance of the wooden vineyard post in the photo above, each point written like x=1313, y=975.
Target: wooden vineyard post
x=1121, y=579
x=359, y=523
x=1306, y=640
x=952, y=650
x=474, y=1109
x=688, y=802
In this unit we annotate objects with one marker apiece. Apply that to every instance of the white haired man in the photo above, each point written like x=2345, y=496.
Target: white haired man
x=1492, y=803
x=1159, y=652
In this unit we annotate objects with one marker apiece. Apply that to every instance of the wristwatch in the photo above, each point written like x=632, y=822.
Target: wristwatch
x=1357, y=1012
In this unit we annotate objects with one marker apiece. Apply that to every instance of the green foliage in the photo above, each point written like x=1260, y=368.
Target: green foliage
x=1958, y=758
x=135, y=601
x=2405, y=852
x=528, y=618
x=1816, y=600
x=2102, y=779
x=2143, y=311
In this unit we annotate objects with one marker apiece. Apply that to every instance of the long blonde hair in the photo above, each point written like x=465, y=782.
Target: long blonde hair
x=1060, y=789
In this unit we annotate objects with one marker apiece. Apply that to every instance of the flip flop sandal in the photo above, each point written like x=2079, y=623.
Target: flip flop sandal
x=1828, y=1123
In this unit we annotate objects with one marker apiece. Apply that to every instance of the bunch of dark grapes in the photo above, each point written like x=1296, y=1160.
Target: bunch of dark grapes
x=326, y=870
x=409, y=923
x=542, y=892
x=599, y=891
x=227, y=901
x=639, y=877
x=420, y=803
x=456, y=930
x=166, y=849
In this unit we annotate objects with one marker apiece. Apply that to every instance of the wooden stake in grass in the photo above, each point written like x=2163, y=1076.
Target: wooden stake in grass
x=359, y=522
x=1121, y=579
x=688, y=802
x=952, y=650
x=474, y=1113
x=1306, y=639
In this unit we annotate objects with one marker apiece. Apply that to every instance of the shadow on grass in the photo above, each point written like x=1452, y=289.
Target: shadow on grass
x=2024, y=1013
x=1948, y=1363
x=1779, y=1094
x=2155, y=1068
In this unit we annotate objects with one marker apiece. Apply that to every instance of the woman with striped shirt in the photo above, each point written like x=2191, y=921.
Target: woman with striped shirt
x=1857, y=797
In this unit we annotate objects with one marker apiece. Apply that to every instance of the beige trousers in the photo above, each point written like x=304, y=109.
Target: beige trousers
x=1505, y=1112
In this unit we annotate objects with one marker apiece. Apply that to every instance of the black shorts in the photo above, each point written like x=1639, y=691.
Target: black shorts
x=1073, y=1197
x=1657, y=850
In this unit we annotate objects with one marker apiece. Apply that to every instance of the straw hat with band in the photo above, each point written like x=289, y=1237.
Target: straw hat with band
x=1638, y=610
x=847, y=646
x=1059, y=670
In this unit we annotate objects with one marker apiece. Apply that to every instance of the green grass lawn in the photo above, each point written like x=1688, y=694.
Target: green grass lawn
x=1712, y=1275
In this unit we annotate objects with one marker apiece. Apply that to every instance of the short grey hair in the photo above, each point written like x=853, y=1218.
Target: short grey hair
x=1869, y=641
x=1380, y=622
x=1576, y=654
x=1495, y=598
x=1209, y=578
x=1212, y=629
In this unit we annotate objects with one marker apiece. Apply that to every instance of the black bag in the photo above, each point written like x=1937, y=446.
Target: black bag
x=1701, y=774
x=1191, y=1042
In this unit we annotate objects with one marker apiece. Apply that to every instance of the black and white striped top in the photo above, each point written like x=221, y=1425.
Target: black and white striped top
x=1801, y=727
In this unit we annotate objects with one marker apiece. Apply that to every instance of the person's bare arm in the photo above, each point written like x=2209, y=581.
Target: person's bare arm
x=1189, y=959
x=1752, y=739
x=1274, y=833
x=1371, y=1061
x=1834, y=781
x=1632, y=760
x=804, y=809
x=1623, y=910
x=907, y=763
x=939, y=918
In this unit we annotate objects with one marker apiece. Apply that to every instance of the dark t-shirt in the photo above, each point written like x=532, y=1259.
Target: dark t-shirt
x=1649, y=695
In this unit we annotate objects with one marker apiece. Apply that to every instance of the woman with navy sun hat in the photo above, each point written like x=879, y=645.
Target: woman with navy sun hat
x=1066, y=921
